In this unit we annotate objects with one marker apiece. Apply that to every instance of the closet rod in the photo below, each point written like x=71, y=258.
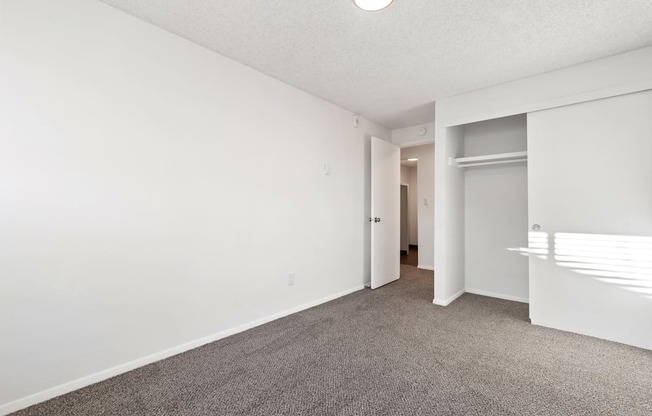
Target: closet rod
x=494, y=159
x=499, y=162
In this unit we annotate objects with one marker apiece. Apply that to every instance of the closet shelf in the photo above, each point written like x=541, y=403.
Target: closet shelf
x=500, y=158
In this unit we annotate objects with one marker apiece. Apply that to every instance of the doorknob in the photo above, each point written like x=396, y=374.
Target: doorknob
x=376, y=219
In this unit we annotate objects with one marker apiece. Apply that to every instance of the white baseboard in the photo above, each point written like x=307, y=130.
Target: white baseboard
x=426, y=268
x=498, y=295
x=140, y=362
x=448, y=301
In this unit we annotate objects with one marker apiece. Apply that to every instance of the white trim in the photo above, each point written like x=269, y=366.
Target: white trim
x=554, y=103
x=498, y=295
x=448, y=301
x=70, y=386
x=426, y=267
x=413, y=143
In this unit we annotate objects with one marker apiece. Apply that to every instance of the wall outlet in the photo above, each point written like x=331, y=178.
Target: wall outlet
x=290, y=279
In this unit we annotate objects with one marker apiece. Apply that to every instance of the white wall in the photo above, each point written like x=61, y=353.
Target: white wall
x=405, y=224
x=425, y=190
x=496, y=211
x=601, y=78
x=449, y=206
x=405, y=219
x=411, y=136
x=123, y=230
x=405, y=175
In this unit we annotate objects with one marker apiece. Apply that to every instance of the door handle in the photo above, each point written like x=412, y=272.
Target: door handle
x=376, y=219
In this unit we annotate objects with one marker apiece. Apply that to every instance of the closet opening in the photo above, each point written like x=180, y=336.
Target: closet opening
x=493, y=158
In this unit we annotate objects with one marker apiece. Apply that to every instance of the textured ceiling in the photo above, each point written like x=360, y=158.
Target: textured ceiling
x=389, y=66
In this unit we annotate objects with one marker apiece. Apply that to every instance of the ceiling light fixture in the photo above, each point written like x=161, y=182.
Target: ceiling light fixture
x=412, y=159
x=372, y=5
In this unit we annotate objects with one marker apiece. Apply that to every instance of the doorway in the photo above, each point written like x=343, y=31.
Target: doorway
x=405, y=226
x=417, y=168
x=409, y=212
x=385, y=214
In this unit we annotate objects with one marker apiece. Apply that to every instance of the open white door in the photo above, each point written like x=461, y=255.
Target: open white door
x=385, y=212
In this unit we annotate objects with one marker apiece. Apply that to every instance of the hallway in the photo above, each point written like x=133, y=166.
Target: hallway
x=411, y=259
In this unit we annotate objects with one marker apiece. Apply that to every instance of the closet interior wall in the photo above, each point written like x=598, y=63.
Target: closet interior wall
x=496, y=211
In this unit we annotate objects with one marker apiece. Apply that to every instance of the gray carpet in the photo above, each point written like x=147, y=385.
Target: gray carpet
x=385, y=352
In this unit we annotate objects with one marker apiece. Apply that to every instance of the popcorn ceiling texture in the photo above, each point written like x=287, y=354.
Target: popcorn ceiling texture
x=391, y=65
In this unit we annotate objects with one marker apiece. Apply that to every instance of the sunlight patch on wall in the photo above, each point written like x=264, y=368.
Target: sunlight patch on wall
x=621, y=260
x=537, y=245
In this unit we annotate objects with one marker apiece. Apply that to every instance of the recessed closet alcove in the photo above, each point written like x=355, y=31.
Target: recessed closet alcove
x=494, y=163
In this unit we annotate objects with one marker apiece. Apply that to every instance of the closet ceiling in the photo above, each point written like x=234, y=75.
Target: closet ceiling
x=390, y=66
